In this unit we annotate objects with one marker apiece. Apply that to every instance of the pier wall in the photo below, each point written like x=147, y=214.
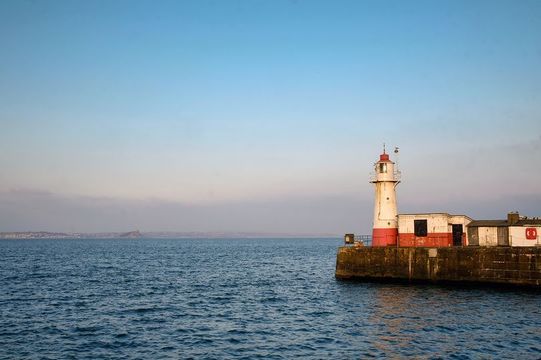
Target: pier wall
x=495, y=265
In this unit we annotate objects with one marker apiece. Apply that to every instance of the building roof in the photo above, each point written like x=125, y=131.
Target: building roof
x=535, y=221
x=501, y=223
x=427, y=213
x=488, y=223
x=434, y=213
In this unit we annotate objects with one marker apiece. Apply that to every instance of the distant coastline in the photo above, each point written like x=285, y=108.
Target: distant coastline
x=136, y=234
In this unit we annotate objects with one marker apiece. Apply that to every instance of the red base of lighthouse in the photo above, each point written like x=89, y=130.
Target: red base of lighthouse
x=384, y=237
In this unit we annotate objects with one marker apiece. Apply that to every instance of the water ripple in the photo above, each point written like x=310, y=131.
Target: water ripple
x=241, y=299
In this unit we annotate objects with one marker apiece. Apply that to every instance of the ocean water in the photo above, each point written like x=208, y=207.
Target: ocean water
x=242, y=299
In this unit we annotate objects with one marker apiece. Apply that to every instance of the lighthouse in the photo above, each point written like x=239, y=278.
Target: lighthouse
x=385, y=179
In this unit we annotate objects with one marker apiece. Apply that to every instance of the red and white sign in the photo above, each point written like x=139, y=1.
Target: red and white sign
x=531, y=233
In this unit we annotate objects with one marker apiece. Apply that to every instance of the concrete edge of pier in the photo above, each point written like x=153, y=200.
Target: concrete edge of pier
x=499, y=266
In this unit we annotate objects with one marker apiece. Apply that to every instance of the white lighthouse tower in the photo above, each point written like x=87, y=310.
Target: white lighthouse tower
x=385, y=228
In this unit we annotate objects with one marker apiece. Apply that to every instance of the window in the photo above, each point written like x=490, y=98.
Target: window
x=382, y=168
x=420, y=227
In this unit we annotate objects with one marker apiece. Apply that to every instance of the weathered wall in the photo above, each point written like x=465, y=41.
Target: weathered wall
x=436, y=222
x=432, y=239
x=503, y=265
x=488, y=236
x=517, y=236
x=439, y=227
x=464, y=221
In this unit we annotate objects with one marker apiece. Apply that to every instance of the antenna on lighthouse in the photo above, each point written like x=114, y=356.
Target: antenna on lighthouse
x=397, y=167
x=384, y=148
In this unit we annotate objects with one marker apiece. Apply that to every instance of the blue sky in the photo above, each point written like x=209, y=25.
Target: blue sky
x=235, y=108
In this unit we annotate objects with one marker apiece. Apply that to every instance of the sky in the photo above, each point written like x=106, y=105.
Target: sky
x=264, y=116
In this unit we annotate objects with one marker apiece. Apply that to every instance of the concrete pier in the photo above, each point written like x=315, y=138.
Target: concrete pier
x=491, y=265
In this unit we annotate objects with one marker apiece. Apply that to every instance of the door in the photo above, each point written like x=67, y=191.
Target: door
x=473, y=235
x=503, y=236
x=457, y=234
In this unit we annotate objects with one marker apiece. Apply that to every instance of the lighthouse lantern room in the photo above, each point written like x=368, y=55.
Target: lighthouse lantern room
x=385, y=179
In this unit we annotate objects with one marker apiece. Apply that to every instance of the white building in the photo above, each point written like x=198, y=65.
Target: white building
x=432, y=229
x=515, y=231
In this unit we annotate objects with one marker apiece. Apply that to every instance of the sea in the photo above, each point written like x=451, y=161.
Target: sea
x=240, y=299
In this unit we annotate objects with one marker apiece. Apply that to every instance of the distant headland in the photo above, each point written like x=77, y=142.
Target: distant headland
x=64, y=235
x=136, y=234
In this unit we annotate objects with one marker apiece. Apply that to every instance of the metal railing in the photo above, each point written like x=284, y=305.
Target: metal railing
x=373, y=176
x=366, y=240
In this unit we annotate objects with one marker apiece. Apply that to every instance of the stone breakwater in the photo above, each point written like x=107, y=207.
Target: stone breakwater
x=490, y=265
